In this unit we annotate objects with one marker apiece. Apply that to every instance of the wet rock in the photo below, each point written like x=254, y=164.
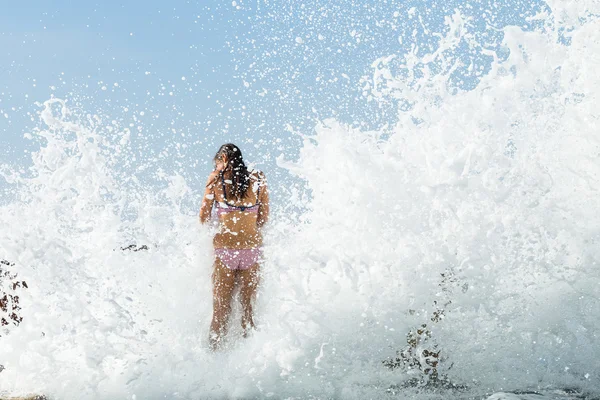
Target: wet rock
x=134, y=247
x=9, y=299
x=421, y=354
x=432, y=385
x=545, y=394
x=30, y=397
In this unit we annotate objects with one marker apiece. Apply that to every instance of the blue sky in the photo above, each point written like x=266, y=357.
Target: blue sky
x=204, y=73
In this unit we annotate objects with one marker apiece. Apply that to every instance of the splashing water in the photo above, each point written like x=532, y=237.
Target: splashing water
x=497, y=186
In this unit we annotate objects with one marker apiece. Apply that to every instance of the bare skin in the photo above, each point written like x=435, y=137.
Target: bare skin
x=224, y=281
x=237, y=230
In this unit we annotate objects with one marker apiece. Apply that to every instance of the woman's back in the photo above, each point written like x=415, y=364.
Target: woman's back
x=240, y=219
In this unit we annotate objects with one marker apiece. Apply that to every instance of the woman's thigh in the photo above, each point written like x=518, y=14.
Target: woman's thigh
x=249, y=279
x=223, y=281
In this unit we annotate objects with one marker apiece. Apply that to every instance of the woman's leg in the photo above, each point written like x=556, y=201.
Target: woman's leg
x=223, y=284
x=249, y=282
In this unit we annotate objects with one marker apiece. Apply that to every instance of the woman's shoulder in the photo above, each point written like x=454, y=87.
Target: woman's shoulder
x=258, y=179
x=257, y=175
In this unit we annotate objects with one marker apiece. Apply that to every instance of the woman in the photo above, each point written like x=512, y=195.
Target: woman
x=242, y=205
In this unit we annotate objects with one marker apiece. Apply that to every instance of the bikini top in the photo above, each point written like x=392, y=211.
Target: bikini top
x=225, y=207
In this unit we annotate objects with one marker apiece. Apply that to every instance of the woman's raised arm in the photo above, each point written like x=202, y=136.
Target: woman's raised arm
x=209, y=197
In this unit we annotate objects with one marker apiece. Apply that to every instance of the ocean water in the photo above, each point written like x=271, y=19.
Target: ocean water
x=479, y=204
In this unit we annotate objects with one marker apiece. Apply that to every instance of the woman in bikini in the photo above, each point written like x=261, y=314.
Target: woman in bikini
x=241, y=200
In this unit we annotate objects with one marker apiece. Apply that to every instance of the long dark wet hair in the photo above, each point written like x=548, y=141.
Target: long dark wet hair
x=235, y=163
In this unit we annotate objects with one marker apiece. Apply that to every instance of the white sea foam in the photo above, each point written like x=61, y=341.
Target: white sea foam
x=498, y=185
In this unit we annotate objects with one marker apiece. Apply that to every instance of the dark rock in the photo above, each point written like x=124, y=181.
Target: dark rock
x=31, y=397
x=431, y=385
x=134, y=247
x=9, y=301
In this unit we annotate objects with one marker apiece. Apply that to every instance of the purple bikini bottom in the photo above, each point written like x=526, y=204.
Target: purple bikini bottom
x=239, y=258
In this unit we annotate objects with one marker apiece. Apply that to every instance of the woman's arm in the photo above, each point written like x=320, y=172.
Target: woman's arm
x=263, y=208
x=209, y=197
